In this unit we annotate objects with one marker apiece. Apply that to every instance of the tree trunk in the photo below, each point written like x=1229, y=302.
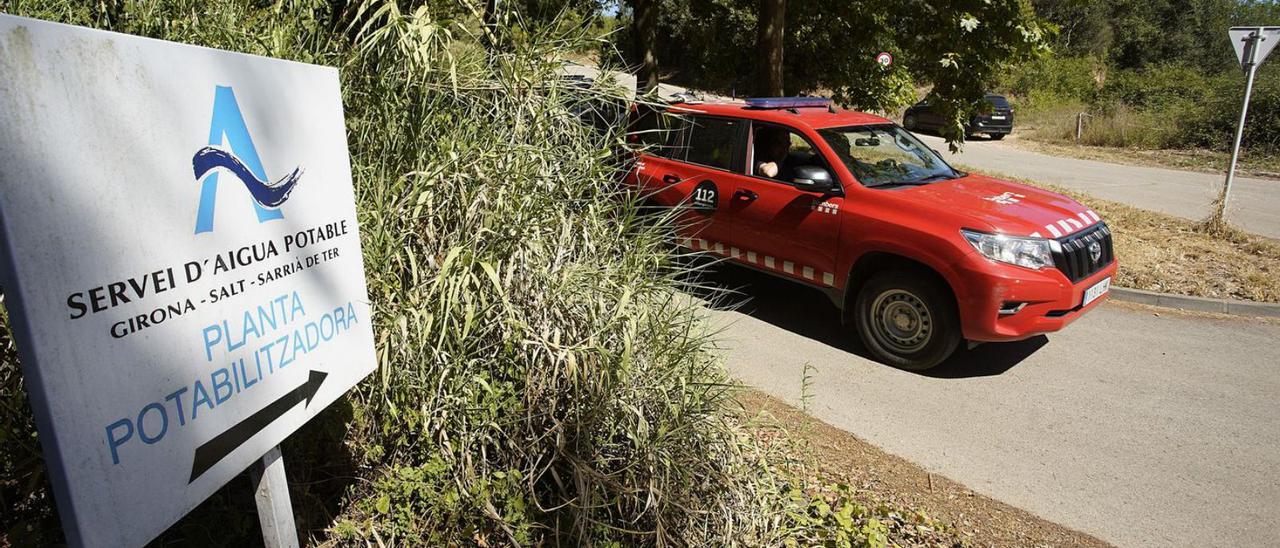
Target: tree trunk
x=769, y=44
x=646, y=21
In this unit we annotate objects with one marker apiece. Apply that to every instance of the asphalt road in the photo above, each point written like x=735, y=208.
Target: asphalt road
x=1254, y=204
x=1138, y=428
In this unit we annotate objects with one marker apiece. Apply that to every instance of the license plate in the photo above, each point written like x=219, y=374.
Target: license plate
x=997, y=117
x=1099, y=289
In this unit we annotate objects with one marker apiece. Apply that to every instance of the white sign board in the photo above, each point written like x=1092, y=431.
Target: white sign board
x=1260, y=39
x=181, y=263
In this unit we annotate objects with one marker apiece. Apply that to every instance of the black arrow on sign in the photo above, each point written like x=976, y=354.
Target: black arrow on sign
x=223, y=444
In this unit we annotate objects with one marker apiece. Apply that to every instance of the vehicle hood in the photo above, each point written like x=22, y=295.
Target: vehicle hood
x=1006, y=207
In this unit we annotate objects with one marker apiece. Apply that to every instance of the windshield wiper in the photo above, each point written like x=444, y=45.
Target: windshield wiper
x=934, y=178
x=917, y=182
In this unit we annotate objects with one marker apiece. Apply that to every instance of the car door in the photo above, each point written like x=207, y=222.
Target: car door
x=692, y=174
x=780, y=227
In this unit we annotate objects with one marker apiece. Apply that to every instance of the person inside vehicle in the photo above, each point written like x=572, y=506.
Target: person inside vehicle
x=770, y=150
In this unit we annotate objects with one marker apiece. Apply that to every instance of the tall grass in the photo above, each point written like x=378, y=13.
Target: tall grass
x=540, y=378
x=1120, y=126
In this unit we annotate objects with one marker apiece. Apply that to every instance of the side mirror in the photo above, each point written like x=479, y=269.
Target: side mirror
x=813, y=179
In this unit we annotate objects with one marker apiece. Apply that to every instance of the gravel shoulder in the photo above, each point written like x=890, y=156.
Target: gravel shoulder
x=884, y=478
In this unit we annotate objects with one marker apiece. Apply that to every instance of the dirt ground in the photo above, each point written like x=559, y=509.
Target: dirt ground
x=884, y=478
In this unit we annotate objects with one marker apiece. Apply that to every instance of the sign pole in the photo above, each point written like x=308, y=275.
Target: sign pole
x=271, y=492
x=1251, y=66
x=1252, y=44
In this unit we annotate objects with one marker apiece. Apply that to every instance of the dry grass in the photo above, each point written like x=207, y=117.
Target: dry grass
x=1169, y=254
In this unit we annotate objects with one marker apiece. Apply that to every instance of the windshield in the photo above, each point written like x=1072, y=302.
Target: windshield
x=886, y=155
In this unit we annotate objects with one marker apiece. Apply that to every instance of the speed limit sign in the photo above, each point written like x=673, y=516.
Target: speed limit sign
x=884, y=58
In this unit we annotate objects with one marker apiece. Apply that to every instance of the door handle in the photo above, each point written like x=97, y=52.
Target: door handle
x=670, y=179
x=745, y=195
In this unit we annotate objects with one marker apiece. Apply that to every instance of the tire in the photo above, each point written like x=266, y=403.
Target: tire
x=997, y=136
x=909, y=122
x=907, y=319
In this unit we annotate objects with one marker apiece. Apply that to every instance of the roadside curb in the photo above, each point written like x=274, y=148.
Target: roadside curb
x=1200, y=304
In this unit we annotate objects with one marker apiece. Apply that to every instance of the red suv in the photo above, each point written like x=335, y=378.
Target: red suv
x=916, y=254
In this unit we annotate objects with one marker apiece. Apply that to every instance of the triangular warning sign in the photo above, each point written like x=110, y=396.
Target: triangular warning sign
x=1252, y=44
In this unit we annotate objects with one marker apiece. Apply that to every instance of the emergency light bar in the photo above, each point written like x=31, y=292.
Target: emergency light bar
x=788, y=102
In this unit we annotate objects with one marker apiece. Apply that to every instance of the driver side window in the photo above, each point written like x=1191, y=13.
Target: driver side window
x=777, y=151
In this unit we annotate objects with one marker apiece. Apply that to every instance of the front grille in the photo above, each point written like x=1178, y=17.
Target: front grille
x=1075, y=260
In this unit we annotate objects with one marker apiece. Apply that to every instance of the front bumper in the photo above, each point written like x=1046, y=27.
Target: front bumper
x=1051, y=300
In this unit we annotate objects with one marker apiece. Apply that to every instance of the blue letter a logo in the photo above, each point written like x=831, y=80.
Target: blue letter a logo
x=241, y=160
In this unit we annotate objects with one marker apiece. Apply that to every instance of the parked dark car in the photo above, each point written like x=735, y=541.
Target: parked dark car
x=996, y=123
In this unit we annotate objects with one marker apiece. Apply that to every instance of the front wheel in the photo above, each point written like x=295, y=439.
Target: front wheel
x=907, y=320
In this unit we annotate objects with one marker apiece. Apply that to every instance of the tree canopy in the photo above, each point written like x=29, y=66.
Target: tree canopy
x=1137, y=34
x=959, y=47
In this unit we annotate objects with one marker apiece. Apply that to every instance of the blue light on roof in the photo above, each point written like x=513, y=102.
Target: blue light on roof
x=788, y=102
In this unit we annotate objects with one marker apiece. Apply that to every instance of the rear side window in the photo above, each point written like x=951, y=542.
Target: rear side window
x=715, y=142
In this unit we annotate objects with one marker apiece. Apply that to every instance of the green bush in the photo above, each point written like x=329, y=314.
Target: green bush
x=1169, y=88
x=1051, y=80
x=1213, y=124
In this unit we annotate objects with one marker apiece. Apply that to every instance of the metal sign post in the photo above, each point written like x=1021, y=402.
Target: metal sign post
x=271, y=492
x=1252, y=44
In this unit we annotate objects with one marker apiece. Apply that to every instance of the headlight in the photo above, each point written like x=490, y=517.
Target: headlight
x=1031, y=253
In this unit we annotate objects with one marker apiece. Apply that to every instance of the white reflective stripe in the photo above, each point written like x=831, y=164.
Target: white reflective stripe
x=702, y=244
x=1066, y=228
x=1036, y=235
x=768, y=261
x=1075, y=224
x=789, y=267
x=751, y=257
x=720, y=248
x=734, y=252
x=1085, y=217
x=808, y=272
x=1053, y=230
x=1094, y=215
x=828, y=279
